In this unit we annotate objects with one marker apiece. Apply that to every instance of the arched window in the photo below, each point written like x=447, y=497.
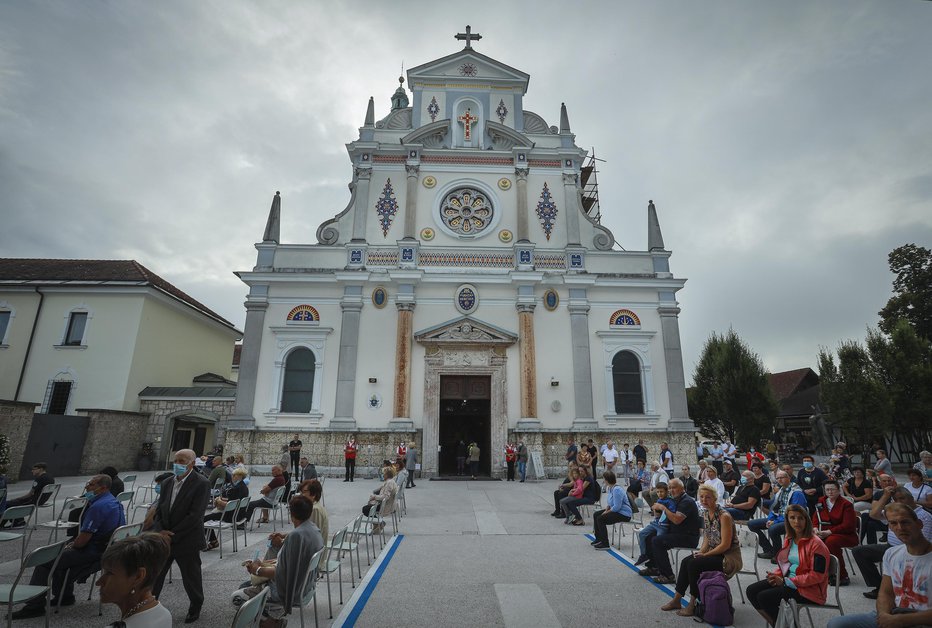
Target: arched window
x=298, y=388
x=626, y=383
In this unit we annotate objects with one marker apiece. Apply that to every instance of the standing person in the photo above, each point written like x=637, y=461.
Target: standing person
x=583, y=458
x=720, y=551
x=640, y=451
x=617, y=509
x=511, y=457
x=571, y=450
x=810, y=478
x=411, y=464
x=753, y=456
x=522, y=460
x=700, y=451
x=306, y=471
x=593, y=454
x=294, y=448
x=472, y=454
x=285, y=463
x=180, y=519
x=883, y=466
x=730, y=450
x=771, y=450
x=770, y=529
x=401, y=451
x=718, y=457
x=461, y=453
x=104, y=515
x=127, y=572
x=907, y=573
x=802, y=572
x=610, y=457
x=349, y=458
x=835, y=523
x=625, y=463
x=666, y=459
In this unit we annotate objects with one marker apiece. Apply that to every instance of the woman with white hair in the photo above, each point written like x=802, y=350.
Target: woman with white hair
x=924, y=466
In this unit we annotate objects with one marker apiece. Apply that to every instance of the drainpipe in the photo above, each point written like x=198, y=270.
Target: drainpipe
x=32, y=334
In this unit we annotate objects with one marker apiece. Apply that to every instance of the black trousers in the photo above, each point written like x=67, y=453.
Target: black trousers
x=296, y=463
x=189, y=563
x=350, y=469
x=73, y=559
x=511, y=470
x=474, y=468
x=601, y=519
x=866, y=556
x=767, y=598
x=690, y=570
x=659, y=545
x=557, y=496
x=410, y=482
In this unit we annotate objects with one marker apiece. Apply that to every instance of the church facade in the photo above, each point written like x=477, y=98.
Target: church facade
x=467, y=292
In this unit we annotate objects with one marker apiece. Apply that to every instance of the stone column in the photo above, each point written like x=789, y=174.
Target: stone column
x=256, y=305
x=522, y=207
x=528, y=361
x=344, y=411
x=673, y=359
x=571, y=202
x=582, y=361
x=411, y=202
x=401, y=411
x=361, y=209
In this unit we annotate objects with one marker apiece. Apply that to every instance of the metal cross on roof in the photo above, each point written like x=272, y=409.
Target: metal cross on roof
x=468, y=36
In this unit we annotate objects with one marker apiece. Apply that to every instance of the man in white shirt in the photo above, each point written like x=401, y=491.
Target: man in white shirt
x=610, y=456
x=717, y=484
x=625, y=462
x=730, y=450
x=666, y=460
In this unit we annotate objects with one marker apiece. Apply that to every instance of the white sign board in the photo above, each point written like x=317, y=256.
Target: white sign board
x=537, y=464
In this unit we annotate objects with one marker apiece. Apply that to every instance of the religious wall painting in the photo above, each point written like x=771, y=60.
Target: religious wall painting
x=466, y=299
x=501, y=111
x=466, y=211
x=386, y=207
x=379, y=297
x=625, y=318
x=427, y=234
x=433, y=109
x=303, y=314
x=546, y=211
x=551, y=300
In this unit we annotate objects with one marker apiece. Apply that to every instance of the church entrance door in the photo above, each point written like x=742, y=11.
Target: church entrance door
x=465, y=414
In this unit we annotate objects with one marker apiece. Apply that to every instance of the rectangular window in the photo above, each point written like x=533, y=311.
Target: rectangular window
x=58, y=400
x=4, y=324
x=76, y=325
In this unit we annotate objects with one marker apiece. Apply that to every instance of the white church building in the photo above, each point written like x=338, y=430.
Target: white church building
x=467, y=292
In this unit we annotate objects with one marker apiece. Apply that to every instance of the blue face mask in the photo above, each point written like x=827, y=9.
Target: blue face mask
x=158, y=489
x=179, y=469
x=807, y=465
x=744, y=480
x=89, y=495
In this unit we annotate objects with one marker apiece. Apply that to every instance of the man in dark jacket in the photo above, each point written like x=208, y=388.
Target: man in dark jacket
x=179, y=517
x=34, y=496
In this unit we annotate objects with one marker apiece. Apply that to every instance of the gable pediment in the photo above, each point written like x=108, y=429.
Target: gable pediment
x=465, y=331
x=467, y=65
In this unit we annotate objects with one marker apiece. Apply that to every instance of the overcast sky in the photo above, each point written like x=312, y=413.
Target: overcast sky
x=787, y=145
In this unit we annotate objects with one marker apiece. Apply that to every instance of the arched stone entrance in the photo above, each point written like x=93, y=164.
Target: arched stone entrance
x=189, y=429
x=465, y=347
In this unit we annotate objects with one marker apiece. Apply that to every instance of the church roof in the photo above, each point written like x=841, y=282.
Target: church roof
x=29, y=271
x=209, y=392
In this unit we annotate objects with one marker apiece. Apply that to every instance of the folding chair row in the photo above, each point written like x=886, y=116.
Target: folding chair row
x=236, y=507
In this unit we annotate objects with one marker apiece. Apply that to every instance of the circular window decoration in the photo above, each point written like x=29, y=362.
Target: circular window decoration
x=379, y=297
x=469, y=69
x=466, y=211
x=551, y=300
x=467, y=299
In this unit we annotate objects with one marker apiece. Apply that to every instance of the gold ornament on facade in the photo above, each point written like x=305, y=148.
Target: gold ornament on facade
x=429, y=182
x=427, y=233
x=504, y=183
x=505, y=235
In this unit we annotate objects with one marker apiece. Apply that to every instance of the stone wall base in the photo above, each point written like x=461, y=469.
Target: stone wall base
x=114, y=438
x=16, y=422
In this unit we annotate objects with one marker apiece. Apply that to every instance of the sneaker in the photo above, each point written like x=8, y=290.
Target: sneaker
x=641, y=560
x=595, y=542
x=569, y=520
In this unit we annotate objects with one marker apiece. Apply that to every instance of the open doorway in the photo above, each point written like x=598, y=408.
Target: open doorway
x=465, y=414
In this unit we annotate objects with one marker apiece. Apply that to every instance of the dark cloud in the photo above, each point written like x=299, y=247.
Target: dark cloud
x=786, y=145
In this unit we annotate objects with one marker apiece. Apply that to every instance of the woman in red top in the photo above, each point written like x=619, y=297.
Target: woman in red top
x=802, y=572
x=349, y=456
x=835, y=523
x=511, y=456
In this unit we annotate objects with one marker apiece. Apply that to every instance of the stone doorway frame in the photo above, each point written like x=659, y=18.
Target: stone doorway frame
x=465, y=346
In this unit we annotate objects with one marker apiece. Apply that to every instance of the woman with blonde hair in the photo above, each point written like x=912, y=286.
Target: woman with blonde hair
x=720, y=551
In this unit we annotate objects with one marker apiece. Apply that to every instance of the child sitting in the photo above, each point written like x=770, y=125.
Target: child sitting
x=659, y=525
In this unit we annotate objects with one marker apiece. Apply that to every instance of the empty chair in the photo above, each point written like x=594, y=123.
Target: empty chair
x=332, y=563
x=62, y=523
x=12, y=514
x=129, y=482
x=47, y=499
x=16, y=593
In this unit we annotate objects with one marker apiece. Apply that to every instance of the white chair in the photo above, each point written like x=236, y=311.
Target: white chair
x=754, y=545
x=126, y=498
x=62, y=523
x=852, y=565
x=120, y=533
x=349, y=545
x=16, y=593
x=249, y=614
x=140, y=502
x=275, y=504
x=12, y=514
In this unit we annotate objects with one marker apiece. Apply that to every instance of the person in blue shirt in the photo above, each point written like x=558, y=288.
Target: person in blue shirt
x=774, y=524
x=618, y=509
x=103, y=515
x=660, y=524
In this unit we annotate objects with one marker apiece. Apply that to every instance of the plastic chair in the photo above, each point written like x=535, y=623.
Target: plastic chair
x=47, y=499
x=247, y=616
x=332, y=564
x=309, y=587
x=274, y=501
x=129, y=482
x=126, y=498
x=12, y=514
x=847, y=550
x=348, y=545
x=62, y=522
x=754, y=545
x=323, y=493
x=834, y=568
x=120, y=533
x=144, y=504
x=240, y=517
x=16, y=593
x=221, y=525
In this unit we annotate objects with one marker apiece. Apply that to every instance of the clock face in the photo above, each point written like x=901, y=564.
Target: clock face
x=468, y=69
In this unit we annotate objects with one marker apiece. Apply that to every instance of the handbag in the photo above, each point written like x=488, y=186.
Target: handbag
x=786, y=618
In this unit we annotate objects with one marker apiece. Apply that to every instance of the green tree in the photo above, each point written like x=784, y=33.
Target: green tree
x=856, y=398
x=912, y=290
x=731, y=396
x=903, y=363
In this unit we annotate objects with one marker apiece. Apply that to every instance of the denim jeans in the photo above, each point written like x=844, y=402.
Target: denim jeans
x=654, y=528
x=522, y=469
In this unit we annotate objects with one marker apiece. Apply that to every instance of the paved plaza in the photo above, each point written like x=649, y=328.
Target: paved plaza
x=468, y=554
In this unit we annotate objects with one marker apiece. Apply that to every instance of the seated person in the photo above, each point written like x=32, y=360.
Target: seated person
x=743, y=503
x=617, y=510
x=715, y=483
x=690, y=483
x=382, y=501
x=871, y=527
x=730, y=477
x=591, y=493
x=562, y=491
x=234, y=491
x=289, y=572
x=907, y=574
x=34, y=496
x=920, y=491
x=764, y=485
x=128, y=570
x=836, y=524
x=657, y=476
x=770, y=529
x=313, y=490
x=264, y=502
x=660, y=524
x=810, y=479
x=703, y=474
x=575, y=492
x=218, y=472
x=684, y=532
x=104, y=515
x=802, y=569
x=116, y=487
x=859, y=489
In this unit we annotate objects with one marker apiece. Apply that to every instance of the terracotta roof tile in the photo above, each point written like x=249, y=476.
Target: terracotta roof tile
x=789, y=382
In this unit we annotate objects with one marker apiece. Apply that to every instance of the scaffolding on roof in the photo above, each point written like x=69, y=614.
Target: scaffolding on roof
x=589, y=181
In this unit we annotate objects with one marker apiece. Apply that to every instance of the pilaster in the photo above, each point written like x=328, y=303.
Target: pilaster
x=344, y=411
x=360, y=209
x=521, y=200
x=401, y=409
x=571, y=203
x=411, y=200
x=528, y=366
x=578, y=307
x=256, y=306
x=673, y=359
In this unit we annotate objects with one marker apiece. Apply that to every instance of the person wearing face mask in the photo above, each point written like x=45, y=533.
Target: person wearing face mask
x=810, y=478
x=753, y=456
x=179, y=517
x=104, y=514
x=234, y=491
x=743, y=503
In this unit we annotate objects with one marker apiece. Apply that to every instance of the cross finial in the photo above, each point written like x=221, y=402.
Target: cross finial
x=468, y=36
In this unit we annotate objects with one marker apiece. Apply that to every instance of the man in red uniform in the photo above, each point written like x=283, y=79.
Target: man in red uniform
x=349, y=455
x=511, y=456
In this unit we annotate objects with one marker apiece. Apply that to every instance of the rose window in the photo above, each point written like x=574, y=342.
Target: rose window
x=466, y=211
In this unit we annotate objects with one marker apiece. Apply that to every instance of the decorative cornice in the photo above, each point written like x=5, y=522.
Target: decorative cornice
x=430, y=135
